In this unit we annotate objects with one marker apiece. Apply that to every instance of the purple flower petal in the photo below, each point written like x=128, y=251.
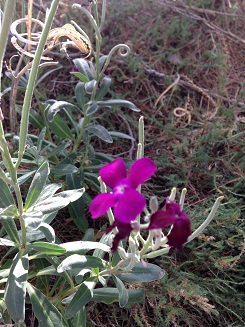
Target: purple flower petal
x=172, y=215
x=161, y=219
x=112, y=173
x=124, y=231
x=179, y=233
x=101, y=204
x=141, y=170
x=129, y=206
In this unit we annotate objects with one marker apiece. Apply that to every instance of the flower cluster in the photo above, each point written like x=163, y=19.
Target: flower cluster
x=171, y=215
x=128, y=203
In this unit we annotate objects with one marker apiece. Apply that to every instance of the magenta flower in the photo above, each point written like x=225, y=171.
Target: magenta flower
x=124, y=231
x=172, y=215
x=126, y=201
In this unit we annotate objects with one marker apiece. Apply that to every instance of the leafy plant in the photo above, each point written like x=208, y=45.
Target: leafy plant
x=58, y=278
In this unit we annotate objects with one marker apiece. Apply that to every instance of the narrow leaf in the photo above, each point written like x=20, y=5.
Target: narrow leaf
x=64, y=169
x=80, y=318
x=123, y=292
x=90, y=86
x=4, y=241
x=92, y=108
x=50, y=151
x=142, y=272
x=101, y=132
x=122, y=135
x=76, y=261
x=41, y=138
x=58, y=201
x=45, y=312
x=38, y=182
x=6, y=198
x=48, y=231
x=60, y=128
x=11, y=230
x=11, y=211
x=83, y=295
x=83, y=67
x=76, y=208
x=48, y=191
x=47, y=248
x=103, y=88
x=110, y=295
x=119, y=103
x=80, y=94
x=56, y=107
x=15, y=291
x=82, y=77
x=83, y=246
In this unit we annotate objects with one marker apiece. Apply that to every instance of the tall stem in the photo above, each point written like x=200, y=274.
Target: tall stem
x=4, y=27
x=32, y=81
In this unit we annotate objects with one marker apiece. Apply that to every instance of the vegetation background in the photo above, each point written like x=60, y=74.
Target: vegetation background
x=186, y=73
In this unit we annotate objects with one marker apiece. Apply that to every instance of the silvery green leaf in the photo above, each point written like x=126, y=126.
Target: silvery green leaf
x=58, y=201
x=80, y=94
x=83, y=295
x=76, y=261
x=33, y=220
x=81, y=76
x=47, y=248
x=142, y=272
x=60, y=128
x=90, y=86
x=84, y=246
x=121, y=135
x=4, y=273
x=80, y=276
x=11, y=229
x=48, y=231
x=64, y=169
x=48, y=191
x=46, y=313
x=36, y=187
x=103, y=88
x=119, y=103
x=76, y=208
x=109, y=295
x=92, y=107
x=56, y=107
x=100, y=132
x=6, y=197
x=83, y=67
x=102, y=60
x=123, y=292
x=15, y=291
x=10, y=211
x=4, y=241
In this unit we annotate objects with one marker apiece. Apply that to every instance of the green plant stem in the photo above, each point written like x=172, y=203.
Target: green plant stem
x=32, y=81
x=182, y=198
x=103, y=12
x=78, y=141
x=20, y=209
x=5, y=26
x=157, y=253
x=140, y=153
x=91, y=19
x=200, y=229
x=14, y=182
x=147, y=244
